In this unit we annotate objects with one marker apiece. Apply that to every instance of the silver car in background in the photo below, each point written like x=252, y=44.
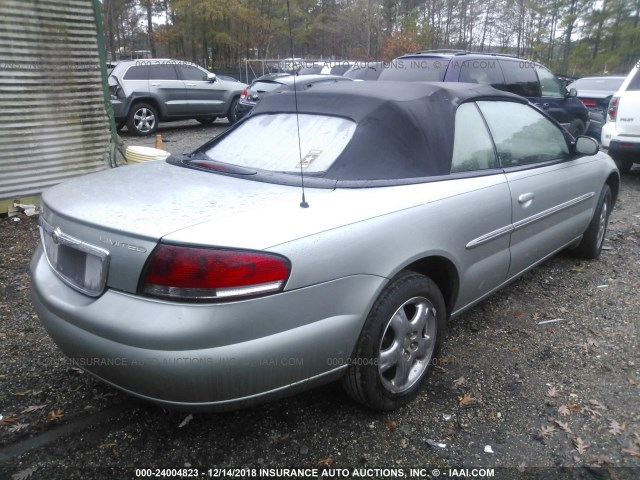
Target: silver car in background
x=215, y=280
x=145, y=92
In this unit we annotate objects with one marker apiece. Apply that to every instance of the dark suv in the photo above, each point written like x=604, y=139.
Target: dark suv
x=144, y=92
x=504, y=72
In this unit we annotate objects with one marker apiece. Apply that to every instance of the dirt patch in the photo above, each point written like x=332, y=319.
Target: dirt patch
x=541, y=379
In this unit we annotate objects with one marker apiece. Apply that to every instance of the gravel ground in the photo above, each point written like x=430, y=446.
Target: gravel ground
x=178, y=137
x=540, y=381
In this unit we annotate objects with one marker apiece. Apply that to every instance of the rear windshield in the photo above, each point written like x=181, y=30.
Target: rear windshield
x=415, y=70
x=270, y=142
x=604, y=84
x=312, y=70
x=265, y=86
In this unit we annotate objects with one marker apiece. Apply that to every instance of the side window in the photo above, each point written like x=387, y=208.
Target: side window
x=162, y=71
x=472, y=147
x=137, y=72
x=520, y=77
x=523, y=135
x=191, y=73
x=551, y=86
x=484, y=72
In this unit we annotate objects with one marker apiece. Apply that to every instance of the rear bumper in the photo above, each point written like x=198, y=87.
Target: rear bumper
x=212, y=357
x=119, y=110
x=617, y=143
x=624, y=146
x=243, y=109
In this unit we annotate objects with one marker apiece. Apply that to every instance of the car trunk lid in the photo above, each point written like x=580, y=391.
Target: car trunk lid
x=102, y=212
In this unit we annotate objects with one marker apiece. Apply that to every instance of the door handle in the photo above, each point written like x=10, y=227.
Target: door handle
x=526, y=198
x=191, y=84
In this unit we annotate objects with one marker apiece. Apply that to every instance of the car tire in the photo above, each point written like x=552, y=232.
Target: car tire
x=206, y=120
x=143, y=119
x=591, y=244
x=397, y=345
x=232, y=116
x=576, y=127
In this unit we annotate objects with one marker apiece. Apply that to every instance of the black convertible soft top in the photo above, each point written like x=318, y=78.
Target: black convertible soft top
x=404, y=129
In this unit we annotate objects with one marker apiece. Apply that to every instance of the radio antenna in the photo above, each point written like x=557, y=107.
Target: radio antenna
x=303, y=203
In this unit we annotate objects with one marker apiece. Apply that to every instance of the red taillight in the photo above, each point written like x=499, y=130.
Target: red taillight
x=588, y=102
x=244, y=94
x=613, y=109
x=196, y=273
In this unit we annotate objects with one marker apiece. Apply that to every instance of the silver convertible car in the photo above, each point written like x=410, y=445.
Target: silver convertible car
x=331, y=235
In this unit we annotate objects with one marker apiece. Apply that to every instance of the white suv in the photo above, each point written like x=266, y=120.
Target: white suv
x=621, y=133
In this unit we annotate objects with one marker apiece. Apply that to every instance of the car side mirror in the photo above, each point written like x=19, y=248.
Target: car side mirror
x=211, y=77
x=572, y=92
x=586, y=146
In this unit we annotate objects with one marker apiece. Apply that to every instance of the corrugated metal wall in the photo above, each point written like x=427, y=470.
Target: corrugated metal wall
x=53, y=123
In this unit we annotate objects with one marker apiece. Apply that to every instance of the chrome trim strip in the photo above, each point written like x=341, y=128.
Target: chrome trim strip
x=539, y=216
x=526, y=221
x=512, y=278
x=489, y=236
x=62, y=238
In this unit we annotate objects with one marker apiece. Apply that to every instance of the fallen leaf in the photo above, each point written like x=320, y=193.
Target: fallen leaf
x=632, y=381
x=467, y=400
x=591, y=342
x=8, y=419
x=546, y=432
x=581, y=447
x=573, y=407
x=579, y=268
x=519, y=314
x=440, y=369
x=564, y=426
x=522, y=466
x=600, y=459
x=458, y=382
x=17, y=427
x=448, y=360
x=55, y=415
x=553, y=392
x=593, y=332
x=22, y=394
x=564, y=410
x=392, y=425
x=404, y=442
x=186, y=421
x=616, y=428
x=563, y=310
x=33, y=408
x=591, y=411
x=285, y=437
x=597, y=404
x=24, y=474
x=633, y=451
x=326, y=461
